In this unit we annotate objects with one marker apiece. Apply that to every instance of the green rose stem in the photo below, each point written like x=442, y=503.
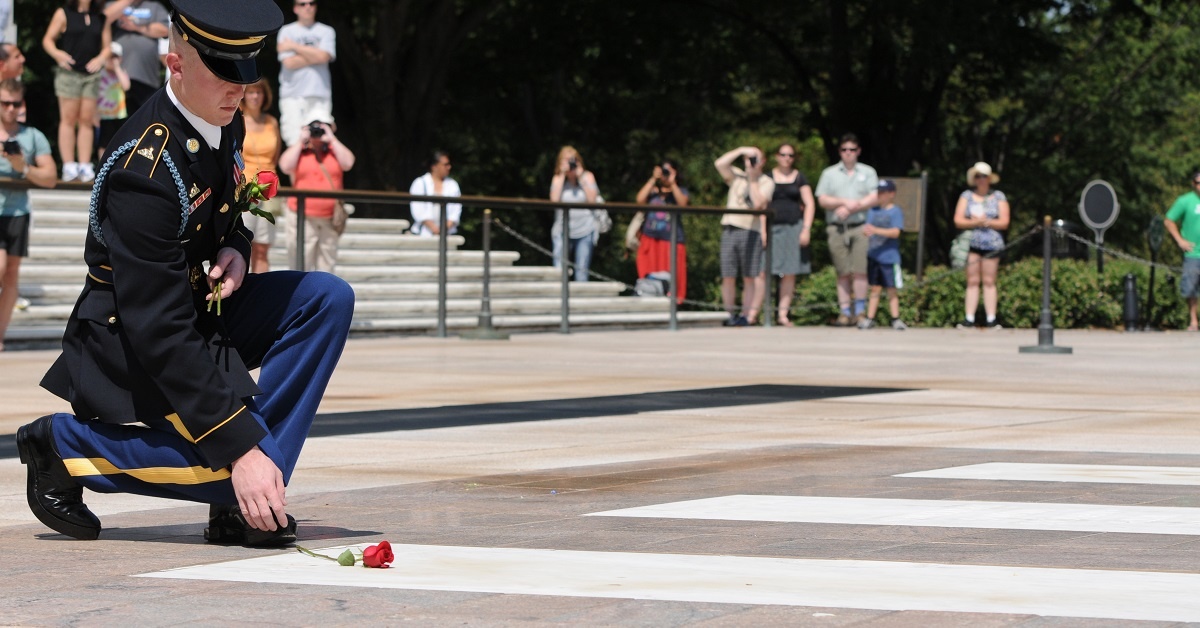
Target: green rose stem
x=345, y=559
x=216, y=298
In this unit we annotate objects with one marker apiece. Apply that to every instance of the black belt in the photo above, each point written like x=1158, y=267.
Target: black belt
x=844, y=228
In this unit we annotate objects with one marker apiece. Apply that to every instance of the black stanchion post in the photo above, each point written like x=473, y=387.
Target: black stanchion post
x=485, y=331
x=442, y=244
x=672, y=291
x=565, y=254
x=1131, y=302
x=1045, y=327
x=1155, y=236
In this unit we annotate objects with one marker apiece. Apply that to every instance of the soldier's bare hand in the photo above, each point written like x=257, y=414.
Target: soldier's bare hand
x=229, y=270
x=258, y=485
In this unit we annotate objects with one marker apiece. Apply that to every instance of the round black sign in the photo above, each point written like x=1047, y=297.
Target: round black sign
x=1098, y=206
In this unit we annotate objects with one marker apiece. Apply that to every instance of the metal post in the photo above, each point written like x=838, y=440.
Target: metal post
x=1045, y=327
x=921, y=228
x=565, y=254
x=673, y=289
x=1100, y=254
x=485, y=331
x=768, y=309
x=299, y=259
x=442, y=244
x=1150, y=297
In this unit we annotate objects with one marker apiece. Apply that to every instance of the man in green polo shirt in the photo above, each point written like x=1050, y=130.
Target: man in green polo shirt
x=1183, y=223
x=846, y=191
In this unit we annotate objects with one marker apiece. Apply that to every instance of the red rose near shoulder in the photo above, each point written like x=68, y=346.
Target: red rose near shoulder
x=378, y=555
x=271, y=180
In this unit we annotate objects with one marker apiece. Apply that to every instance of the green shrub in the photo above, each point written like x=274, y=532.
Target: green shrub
x=1079, y=296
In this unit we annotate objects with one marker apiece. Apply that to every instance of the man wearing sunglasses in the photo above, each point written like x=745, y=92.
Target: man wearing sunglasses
x=846, y=191
x=26, y=155
x=306, y=47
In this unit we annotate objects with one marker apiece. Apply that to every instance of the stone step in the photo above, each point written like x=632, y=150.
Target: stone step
x=369, y=274
x=42, y=234
x=72, y=254
x=521, y=306
x=65, y=293
x=48, y=335
x=426, y=307
x=501, y=289
x=538, y=322
x=59, y=200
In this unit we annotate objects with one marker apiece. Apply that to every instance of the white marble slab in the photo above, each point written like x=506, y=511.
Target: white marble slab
x=1043, y=472
x=1122, y=595
x=927, y=512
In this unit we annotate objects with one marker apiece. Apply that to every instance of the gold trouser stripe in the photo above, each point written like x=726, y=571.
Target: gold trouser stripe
x=174, y=420
x=218, y=426
x=79, y=467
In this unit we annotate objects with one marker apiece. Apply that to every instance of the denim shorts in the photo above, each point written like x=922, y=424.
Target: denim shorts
x=1189, y=283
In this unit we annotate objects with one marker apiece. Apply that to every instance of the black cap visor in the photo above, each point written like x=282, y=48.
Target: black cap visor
x=240, y=71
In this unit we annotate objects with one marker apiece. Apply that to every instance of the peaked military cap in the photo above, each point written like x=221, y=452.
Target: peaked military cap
x=228, y=34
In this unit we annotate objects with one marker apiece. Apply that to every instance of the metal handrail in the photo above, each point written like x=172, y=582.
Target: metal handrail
x=496, y=202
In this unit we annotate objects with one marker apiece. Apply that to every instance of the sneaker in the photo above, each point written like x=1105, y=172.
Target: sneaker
x=993, y=325
x=965, y=324
x=866, y=323
x=843, y=320
x=899, y=325
x=70, y=171
x=741, y=321
x=730, y=322
x=86, y=174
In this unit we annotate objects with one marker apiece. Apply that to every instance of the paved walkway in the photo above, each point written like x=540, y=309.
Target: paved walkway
x=809, y=476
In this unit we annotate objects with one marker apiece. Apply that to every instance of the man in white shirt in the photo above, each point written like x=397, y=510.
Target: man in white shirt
x=306, y=47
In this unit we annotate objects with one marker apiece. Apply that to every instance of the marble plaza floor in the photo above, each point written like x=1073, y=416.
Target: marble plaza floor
x=716, y=477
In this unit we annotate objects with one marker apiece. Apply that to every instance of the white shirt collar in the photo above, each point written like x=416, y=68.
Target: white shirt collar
x=210, y=132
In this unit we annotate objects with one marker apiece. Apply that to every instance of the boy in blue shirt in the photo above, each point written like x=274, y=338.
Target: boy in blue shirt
x=883, y=225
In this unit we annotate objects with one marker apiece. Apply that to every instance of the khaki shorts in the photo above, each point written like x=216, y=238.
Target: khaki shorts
x=70, y=84
x=848, y=248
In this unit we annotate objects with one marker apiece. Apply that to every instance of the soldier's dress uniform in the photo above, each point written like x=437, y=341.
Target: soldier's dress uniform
x=143, y=350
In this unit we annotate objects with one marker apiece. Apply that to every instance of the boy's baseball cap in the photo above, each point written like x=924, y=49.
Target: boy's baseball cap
x=887, y=185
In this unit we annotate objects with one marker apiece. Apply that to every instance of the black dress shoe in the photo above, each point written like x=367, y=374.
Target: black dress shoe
x=227, y=525
x=55, y=498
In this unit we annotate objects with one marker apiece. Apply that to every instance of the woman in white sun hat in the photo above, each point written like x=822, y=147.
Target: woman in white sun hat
x=986, y=212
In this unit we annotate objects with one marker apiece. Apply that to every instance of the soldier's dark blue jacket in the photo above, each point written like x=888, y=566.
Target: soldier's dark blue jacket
x=141, y=342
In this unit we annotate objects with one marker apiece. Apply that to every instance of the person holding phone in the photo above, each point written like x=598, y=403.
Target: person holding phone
x=26, y=156
x=743, y=236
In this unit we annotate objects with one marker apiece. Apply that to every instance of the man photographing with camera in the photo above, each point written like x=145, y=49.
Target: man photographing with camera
x=318, y=161
x=26, y=156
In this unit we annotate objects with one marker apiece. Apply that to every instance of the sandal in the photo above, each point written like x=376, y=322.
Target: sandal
x=783, y=321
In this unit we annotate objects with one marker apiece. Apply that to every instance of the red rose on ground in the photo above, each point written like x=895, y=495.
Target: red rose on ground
x=271, y=180
x=378, y=555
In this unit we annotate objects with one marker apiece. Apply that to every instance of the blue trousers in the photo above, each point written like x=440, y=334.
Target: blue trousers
x=294, y=325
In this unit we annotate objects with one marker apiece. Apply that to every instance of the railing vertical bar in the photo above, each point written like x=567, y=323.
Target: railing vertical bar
x=673, y=291
x=564, y=256
x=443, y=242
